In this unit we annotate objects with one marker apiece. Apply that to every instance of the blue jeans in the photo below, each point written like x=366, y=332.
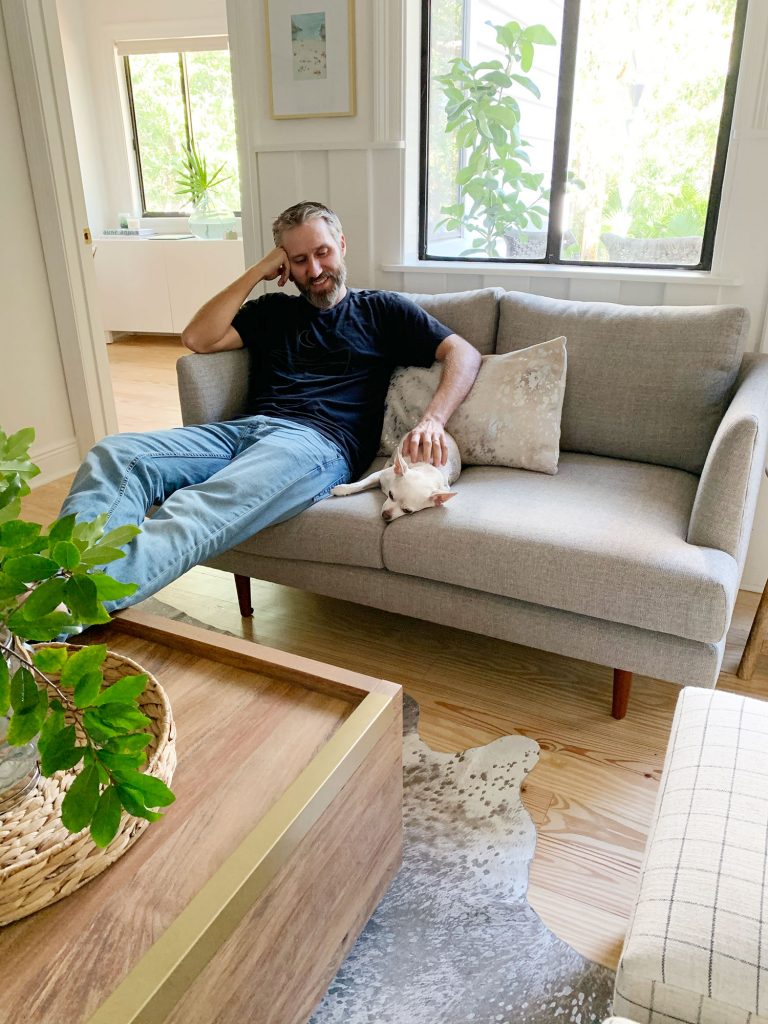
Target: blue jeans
x=216, y=484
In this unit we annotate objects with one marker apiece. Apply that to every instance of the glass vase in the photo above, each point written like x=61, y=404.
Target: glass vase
x=208, y=221
x=19, y=769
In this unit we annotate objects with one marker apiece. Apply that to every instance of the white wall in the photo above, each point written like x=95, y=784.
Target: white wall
x=34, y=391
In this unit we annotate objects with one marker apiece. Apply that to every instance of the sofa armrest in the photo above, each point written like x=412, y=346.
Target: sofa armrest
x=726, y=498
x=213, y=387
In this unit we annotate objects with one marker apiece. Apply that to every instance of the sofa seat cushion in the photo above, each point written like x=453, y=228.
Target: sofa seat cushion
x=603, y=537
x=648, y=383
x=343, y=531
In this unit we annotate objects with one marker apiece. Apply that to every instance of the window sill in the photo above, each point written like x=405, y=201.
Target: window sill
x=518, y=270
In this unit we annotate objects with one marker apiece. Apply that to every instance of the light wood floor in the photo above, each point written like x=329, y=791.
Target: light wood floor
x=592, y=792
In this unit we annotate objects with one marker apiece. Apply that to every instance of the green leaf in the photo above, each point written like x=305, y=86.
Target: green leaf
x=100, y=556
x=46, y=628
x=88, y=659
x=108, y=589
x=123, y=761
x=30, y=568
x=539, y=34
x=79, y=804
x=120, y=536
x=81, y=598
x=10, y=587
x=133, y=802
x=131, y=744
x=5, y=686
x=24, y=692
x=50, y=659
x=44, y=598
x=526, y=54
x=66, y=554
x=10, y=506
x=154, y=792
x=106, y=819
x=87, y=688
x=25, y=724
x=18, y=444
x=121, y=718
x=528, y=84
x=89, y=533
x=18, y=534
x=60, y=751
x=124, y=691
x=61, y=530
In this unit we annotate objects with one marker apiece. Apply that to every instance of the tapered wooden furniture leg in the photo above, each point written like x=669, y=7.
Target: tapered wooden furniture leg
x=755, y=638
x=243, y=586
x=622, y=683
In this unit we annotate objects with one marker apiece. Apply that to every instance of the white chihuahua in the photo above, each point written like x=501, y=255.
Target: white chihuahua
x=410, y=486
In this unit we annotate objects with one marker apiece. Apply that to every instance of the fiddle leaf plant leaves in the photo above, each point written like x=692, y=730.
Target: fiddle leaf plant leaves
x=52, y=582
x=484, y=116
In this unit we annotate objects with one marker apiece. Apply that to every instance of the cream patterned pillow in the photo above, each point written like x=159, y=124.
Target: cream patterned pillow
x=511, y=417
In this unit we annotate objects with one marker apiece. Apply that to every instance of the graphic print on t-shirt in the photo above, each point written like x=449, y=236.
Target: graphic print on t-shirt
x=312, y=356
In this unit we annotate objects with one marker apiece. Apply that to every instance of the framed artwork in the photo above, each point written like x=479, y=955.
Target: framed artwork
x=311, y=49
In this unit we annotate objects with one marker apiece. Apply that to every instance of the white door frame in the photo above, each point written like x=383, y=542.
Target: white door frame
x=39, y=76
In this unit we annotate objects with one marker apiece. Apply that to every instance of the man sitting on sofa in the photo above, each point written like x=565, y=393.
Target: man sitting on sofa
x=320, y=368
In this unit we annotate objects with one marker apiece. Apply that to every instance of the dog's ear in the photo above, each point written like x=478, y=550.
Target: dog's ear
x=440, y=497
x=400, y=465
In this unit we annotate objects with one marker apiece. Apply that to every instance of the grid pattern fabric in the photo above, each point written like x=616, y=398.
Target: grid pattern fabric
x=696, y=951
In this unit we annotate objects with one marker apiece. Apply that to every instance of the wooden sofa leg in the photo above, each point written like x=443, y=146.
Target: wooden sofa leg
x=622, y=683
x=243, y=587
x=755, y=638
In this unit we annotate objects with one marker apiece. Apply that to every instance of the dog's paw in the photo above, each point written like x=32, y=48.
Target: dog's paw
x=341, y=490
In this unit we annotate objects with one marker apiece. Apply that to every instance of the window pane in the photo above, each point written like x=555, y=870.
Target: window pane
x=213, y=118
x=647, y=103
x=159, y=112
x=497, y=108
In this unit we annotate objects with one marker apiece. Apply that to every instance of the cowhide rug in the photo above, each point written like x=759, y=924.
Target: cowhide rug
x=454, y=940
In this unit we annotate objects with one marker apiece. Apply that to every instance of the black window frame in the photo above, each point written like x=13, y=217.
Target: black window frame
x=183, y=78
x=565, y=90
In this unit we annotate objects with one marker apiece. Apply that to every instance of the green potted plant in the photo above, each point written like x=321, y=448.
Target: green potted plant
x=197, y=185
x=51, y=581
x=500, y=197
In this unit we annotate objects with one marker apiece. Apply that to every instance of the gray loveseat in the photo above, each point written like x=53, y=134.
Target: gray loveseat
x=630, y=556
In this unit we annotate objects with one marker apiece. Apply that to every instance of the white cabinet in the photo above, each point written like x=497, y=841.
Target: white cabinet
x=155, y=285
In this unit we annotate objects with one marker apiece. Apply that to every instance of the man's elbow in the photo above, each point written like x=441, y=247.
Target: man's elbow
x=192, y=340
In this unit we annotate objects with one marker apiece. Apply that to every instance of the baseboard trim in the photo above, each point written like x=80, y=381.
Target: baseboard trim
x=55, y=461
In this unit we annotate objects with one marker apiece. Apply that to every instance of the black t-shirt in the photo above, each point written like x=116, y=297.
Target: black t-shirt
x=331, y=367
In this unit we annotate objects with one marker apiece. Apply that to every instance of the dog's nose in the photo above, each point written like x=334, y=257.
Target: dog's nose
x=386, y=514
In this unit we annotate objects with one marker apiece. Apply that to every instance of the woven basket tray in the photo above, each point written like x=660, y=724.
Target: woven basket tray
x=40, y=861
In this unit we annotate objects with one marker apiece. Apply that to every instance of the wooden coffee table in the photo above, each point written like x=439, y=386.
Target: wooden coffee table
x=242, y=902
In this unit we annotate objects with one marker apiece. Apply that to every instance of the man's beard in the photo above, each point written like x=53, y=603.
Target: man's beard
x=329, y=297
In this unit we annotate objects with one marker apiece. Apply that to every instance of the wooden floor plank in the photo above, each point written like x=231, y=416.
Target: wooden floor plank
x=592, y=793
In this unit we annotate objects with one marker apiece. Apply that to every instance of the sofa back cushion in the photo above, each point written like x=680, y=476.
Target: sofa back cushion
x=474, y=315
x=649, y=383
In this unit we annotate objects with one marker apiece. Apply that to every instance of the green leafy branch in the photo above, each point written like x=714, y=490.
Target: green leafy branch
x=50, y=583
x=485, y=116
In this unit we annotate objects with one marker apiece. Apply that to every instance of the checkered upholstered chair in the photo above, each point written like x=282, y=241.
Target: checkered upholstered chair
x=696, y=951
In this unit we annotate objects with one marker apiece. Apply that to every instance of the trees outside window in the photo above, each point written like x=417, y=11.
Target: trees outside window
x=177, y=100
x=575, y=130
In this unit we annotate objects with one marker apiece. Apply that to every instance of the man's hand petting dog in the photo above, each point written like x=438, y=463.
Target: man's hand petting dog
x=426, y=442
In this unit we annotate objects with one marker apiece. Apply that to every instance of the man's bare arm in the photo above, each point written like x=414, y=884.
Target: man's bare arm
x=461, y=362
x=210, y=329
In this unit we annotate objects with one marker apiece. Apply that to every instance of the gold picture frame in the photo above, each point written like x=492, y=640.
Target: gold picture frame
x=311, y=58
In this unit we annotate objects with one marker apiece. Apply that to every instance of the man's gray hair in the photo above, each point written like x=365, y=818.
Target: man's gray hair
x=300, y=214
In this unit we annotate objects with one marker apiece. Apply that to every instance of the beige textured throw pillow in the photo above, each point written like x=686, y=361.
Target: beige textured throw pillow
x=511, y=417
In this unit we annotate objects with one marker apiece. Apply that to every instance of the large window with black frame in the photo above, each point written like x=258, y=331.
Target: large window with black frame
x=576, y=131
x=180, y=103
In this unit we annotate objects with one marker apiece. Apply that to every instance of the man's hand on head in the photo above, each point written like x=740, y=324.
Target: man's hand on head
x=426, y=442
x=276, y=264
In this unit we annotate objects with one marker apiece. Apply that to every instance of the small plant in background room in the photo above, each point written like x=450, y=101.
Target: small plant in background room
x=198, y=186
x=51, y=582
x=195, y=182
x=500, y=195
